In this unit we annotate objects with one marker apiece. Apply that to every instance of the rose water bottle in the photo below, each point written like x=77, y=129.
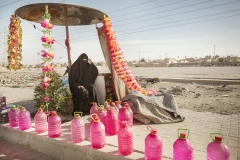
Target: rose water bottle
x=24, y=119
x=217, y=150
x=125, y=139
x=97, y=133
x=54, y=125
x=13, y=116
x=182, y=149
x=125, y=115
x=111, y=122
x=40, y=120
x=77, y=128
x=153, y=145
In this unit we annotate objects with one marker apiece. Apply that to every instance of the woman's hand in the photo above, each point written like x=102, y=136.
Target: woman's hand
x=80, y=87
x=89, y=61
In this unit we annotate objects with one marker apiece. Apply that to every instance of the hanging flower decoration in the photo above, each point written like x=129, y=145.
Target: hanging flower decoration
x=119, y=62
x=47, y=56
x=14, y=44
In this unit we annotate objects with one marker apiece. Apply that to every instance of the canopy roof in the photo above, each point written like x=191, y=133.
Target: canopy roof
x=77, y=15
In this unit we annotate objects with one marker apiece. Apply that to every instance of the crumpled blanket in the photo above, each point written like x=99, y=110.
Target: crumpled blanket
x=153, y=109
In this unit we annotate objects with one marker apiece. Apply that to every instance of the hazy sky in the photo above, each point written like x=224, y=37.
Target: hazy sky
x=152, y=29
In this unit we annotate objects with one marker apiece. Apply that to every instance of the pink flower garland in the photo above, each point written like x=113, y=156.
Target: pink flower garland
x=119, y=62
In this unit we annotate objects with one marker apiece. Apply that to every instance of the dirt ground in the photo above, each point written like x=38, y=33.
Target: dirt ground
x=221, y=99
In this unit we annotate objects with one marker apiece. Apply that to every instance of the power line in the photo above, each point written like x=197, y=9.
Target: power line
x=131, y=6
x=180, y=12
x=149, y=8
x=181, y=20
x=40, y=30
x=10, y=3
x=174, y=14
x=166, y=27
x=179, y=25
x=193, y=18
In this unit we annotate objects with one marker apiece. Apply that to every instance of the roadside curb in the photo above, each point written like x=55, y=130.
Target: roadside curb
x=62, y=147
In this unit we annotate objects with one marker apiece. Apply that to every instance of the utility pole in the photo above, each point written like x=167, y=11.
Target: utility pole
x=214, y=50
x=139, y=57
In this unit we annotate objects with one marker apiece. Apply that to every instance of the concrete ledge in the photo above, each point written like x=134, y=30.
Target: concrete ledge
x=62, y=147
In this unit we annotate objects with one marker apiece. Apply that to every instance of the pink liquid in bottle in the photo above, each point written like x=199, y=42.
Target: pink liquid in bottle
x=13, y=116
x=125, y=139
x=97, y=133
x=40, y=120
x=24, y=119
x=125, y=115
x=54, y=125
x=217, y=150
x=77, y=128
x=111, y=122
x=182, y=149
x=153, y=145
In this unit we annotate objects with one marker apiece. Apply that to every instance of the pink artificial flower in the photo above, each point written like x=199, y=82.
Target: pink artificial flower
x=46, y=99
x=45, y=80
x=44, y=38
x=45, y=69
x=43, y=24
x=45, y=51
x=47, y=113
x=45, y=84
x=44, y=55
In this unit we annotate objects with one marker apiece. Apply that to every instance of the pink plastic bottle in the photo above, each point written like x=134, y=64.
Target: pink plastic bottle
x=128, y=108
x=111, y=122
x=182, y=149
x=24, y=119
x=97, y=133
x=94, y=108
x=101, y=113
x=106, y=105
x=54, y=125
x=217, y=150
x=125, y=115
x=40, y=120
x=77, y=128
x=125, y=139
x=153, y=145
x=13, y=116
x=117, y=103
x=114, y=107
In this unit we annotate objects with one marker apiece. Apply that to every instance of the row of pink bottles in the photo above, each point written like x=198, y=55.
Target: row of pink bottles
x=13, y=116
x=77, y=128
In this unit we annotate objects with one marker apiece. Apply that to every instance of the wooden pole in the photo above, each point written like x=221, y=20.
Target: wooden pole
x=67, y=43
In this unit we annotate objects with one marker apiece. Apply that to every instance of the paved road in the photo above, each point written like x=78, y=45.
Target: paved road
x=10, y=151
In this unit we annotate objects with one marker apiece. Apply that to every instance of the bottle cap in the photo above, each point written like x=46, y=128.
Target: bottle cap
x=218, y=139
x=154, y=131
x=183, y=135
x=14, y=107
x=54, y=112
x=40, y=110
x=124, y=123
x=77, y=116
x=22, y=109
x=96, y=119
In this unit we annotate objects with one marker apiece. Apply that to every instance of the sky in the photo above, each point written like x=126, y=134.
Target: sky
x=150, y=29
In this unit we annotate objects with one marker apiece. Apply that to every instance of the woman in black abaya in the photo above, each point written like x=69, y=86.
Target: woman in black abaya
x=83, y=74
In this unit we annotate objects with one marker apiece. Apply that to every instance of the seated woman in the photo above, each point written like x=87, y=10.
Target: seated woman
x=82, y=75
